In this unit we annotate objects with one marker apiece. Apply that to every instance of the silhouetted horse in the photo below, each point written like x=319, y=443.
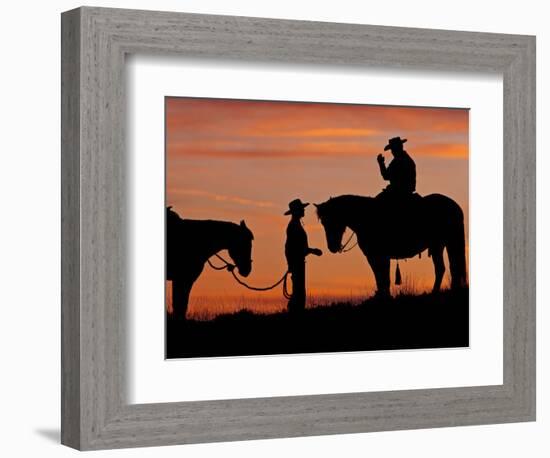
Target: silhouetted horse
x=386, y=231
x=190, y=243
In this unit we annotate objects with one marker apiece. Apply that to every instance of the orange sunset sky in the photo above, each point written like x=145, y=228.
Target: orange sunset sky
x=238, y=159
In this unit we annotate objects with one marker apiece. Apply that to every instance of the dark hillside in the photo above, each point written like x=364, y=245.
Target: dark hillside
x=405, y=322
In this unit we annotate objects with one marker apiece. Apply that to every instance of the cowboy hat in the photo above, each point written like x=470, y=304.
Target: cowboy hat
x=295, y=206
x=394, y=141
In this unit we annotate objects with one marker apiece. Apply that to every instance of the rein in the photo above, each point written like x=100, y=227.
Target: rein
x=231, y=268
x=344, y=248
x=226, y=266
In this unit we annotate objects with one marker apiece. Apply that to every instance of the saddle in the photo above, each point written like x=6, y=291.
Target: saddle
x=401, y=218
x=399, y=201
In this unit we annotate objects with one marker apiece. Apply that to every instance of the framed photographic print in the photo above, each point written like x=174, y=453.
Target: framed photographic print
x=338, y=218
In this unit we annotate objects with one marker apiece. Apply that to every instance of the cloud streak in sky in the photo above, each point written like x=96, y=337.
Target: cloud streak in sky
x=174, y=192
x=243, y=129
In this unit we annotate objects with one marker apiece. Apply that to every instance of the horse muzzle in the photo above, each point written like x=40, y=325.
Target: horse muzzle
x=245, y=271
x=335, y=248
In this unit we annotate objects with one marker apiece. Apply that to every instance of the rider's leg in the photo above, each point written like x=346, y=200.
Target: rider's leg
x=439, y=266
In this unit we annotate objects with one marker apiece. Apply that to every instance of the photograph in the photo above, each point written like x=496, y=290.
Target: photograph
x=304, y=227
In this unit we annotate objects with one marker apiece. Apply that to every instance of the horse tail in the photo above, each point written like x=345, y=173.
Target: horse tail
x=456, y=250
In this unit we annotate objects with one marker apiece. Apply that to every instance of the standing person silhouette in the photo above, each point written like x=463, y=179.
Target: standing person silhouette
x=401, y=172
x=296, y=250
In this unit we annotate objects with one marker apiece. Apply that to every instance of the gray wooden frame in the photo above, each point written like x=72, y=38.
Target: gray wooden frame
x=95, y=413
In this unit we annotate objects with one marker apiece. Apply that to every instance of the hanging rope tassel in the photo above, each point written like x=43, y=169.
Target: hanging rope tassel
x=397, y=275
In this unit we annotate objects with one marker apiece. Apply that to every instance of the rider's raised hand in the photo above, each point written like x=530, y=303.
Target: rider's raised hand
x=380, y=159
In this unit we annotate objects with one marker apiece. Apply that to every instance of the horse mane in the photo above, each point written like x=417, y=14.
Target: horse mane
x=210, y=226
x=207, y=226
x=338, y=204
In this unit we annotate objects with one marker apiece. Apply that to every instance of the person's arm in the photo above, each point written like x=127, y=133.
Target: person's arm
x=308, y=250
x=315, y=251
x=383, y=168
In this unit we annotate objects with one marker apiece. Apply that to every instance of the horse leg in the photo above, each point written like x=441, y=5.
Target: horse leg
x=457, y=263
x=180, y=297
x=381, y=267
x=439, y=266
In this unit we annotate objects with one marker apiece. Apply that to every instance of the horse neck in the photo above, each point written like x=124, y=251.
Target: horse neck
x=213, y=236
x=354, y=211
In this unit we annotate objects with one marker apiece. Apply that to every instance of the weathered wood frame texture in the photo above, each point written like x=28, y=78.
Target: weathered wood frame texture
x=95, y=41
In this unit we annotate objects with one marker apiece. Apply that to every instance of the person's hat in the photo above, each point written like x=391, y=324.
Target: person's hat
x=394, y=142
x=295, y=206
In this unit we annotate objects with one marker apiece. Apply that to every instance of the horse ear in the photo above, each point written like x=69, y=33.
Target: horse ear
x=316, y=206
x=244, y=226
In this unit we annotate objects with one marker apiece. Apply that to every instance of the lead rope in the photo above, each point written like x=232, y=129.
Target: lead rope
x=231, y=268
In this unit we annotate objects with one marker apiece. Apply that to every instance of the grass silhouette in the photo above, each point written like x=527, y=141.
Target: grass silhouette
x=406, y=321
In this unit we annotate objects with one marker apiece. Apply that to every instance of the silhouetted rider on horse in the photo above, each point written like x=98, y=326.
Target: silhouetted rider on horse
x=400, y=204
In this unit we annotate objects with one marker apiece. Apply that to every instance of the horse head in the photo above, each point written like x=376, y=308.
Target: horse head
x=240, y=249
x=329, y=216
